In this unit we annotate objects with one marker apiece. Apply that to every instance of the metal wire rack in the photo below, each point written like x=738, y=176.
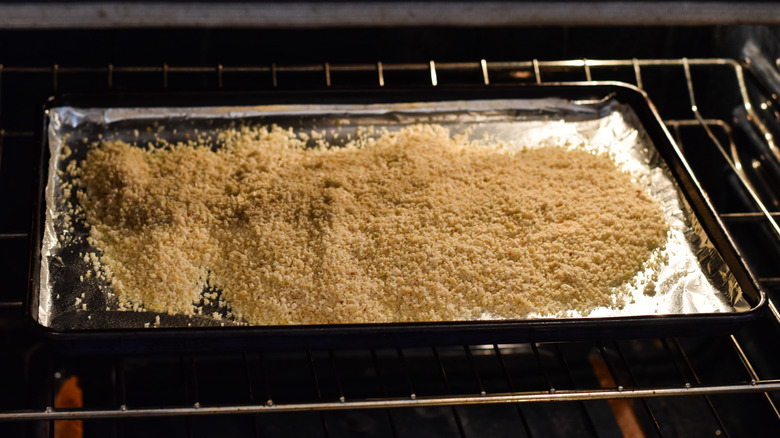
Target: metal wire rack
x=665, y=387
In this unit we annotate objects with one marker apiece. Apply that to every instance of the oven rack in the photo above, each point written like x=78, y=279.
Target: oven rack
x=597, y=377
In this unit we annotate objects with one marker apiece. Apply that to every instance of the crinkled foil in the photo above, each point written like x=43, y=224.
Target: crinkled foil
x=691, y=279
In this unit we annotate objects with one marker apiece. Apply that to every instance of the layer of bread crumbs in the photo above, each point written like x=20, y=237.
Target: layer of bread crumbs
x=412, y=226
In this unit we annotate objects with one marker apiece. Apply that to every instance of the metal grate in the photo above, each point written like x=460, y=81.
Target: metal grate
x=687, y=386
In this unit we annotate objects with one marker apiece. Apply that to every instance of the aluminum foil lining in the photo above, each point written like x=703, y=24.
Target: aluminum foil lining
x=693, y=280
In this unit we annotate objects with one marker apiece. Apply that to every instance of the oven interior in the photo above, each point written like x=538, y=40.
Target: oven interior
x=716, y=89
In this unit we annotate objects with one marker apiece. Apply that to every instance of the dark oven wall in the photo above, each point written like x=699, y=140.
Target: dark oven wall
x=719, y=385
x=401, y=44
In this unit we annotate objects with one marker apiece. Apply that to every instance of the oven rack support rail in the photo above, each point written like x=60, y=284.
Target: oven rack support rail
x=481, y=73
x=552, y=395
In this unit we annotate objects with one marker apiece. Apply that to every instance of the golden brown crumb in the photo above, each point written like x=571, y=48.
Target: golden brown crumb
x=411, y=226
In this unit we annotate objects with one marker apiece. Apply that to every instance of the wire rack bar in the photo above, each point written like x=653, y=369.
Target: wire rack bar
x=250, y=390
x=482, y=65
x=264, y=376
x=407, y=375
x=13, y=236
x=635, y=383
x=592, y=427
x=380, y=71
x=748, y=217
x=686, y=382
x=419, y=401
x=8, y=134
x=383, y=391
x=474, y=369
x=613, y=373
x=752, y=372
x=454, y=408
x=316, y=380
x=537, y=71
x=737, y=169
x=774, y=310
x=510, y=385
x=120, y=393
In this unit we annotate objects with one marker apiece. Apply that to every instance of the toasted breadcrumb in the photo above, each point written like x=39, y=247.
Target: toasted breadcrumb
x=411, y=226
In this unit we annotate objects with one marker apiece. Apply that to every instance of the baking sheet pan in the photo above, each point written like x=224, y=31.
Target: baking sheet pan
x=705, y=282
